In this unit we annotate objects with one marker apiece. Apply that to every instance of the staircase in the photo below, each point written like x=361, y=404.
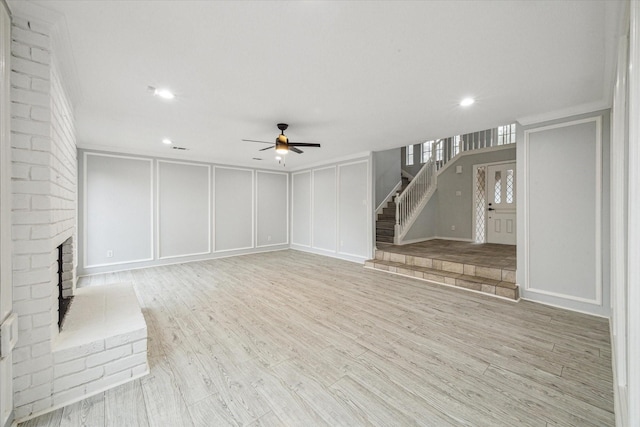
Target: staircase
x=386, y=221
x=480, y=278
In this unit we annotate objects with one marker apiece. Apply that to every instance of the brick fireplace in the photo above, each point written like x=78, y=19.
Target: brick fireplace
x=53, y=367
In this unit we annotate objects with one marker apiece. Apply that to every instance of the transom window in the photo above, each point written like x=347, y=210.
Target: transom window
x=427, y=146
x=507, y=134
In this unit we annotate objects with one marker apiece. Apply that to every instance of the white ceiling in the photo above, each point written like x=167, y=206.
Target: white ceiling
x=354, y=76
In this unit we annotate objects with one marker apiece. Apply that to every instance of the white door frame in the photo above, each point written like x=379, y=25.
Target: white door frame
x=486, y=192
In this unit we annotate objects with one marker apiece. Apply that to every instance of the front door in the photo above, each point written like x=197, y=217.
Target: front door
x=8, y=324
x=501, y=204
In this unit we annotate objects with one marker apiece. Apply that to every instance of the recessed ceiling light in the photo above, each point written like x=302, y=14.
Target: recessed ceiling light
x=167, y=141
x=466, y=102
x=164, y=93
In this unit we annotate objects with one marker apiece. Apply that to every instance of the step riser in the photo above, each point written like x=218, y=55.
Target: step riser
x=489, y=289
x=502, y=275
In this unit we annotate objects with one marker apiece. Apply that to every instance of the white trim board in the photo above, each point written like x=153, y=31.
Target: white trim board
x=157, y=212
x=597, y=300
x=85, y=206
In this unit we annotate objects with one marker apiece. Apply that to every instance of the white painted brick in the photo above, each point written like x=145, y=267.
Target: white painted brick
x=70, y=367
x=20, y=80
x=21, y=354
x=41, y=202
x=41, y=144
x=108, y=356
x=140, y=346
x=29, y=97
x=20, y=50
x=24, y=323
x=140, y=369
x=40, y=55
x=35, y=335
x=68, y=396
x=29, y=37
x=108, y=382
x=32, y=365
x=31, y=306
x=42, y=377
x=40, y=85
x=30, y=127
x=21, y=383
x=31, y=26
x=72, y=353
x=31, y=247
x=21, y=293
x=20, y=171
x=42, y=404
x=20, y=110
x=42, y=260
x=74, y=380
x=40, y=114
x=30, y=157
x=40, y=231
x=23, y=411
x=26, y=217
x=42, y=290
x=32, y=394
x=44, y=347
x=125, y=363
x=31, y=277
x=126, y=338
x=20, y=202
x=40, y=173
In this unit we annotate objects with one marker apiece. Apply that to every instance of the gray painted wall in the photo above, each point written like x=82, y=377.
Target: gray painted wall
x=151, y=211
x=301, y=208
x=233, y=208
x=426, y=225
x=183, y=209
x=353, y=231
x=272, y=208
x=118, y=215
x=324, y=209
x=387, y=172
x=332, y=211
x=558, y=236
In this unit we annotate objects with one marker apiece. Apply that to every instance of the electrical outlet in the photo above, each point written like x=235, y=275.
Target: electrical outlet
x=453, y=227
x=268, y=238
x=458, y=193
x=109, y=253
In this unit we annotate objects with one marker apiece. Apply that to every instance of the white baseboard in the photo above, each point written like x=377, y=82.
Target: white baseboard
x=424, y=239
x=346, y=257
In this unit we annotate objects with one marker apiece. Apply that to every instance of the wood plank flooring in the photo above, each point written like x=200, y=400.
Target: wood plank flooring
x=289, y=338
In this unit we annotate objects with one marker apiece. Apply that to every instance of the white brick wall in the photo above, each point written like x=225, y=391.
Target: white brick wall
x=47, y=370
x=44, y=181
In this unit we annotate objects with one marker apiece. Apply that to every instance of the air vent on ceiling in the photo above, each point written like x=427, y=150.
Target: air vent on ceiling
x=179, y=148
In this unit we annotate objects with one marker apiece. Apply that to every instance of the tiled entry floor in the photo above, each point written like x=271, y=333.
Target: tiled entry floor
x=485, y=254
x=486, y=268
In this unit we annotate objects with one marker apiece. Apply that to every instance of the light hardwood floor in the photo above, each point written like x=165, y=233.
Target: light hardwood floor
x=289, y=338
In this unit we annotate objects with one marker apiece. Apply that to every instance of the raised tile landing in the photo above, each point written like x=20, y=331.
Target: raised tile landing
x=486, y=268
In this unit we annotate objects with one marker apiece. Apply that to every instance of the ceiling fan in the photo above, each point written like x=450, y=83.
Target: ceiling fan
x=282, y=144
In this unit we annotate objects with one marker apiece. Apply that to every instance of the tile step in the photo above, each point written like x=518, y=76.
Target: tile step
x=488, y=286
x=493, y=273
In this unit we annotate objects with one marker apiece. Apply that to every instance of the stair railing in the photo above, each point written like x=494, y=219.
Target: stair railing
x=408, y=202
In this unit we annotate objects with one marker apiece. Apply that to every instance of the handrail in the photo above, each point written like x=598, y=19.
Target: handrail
x=411, y=197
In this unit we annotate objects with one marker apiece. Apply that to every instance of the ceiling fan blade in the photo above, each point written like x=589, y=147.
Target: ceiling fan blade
x=303, y=144
x=264, y=149
x=253, y=140
x=295, y=150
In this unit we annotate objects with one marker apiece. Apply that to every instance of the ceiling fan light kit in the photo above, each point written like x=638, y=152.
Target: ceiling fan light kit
x=282, y=144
